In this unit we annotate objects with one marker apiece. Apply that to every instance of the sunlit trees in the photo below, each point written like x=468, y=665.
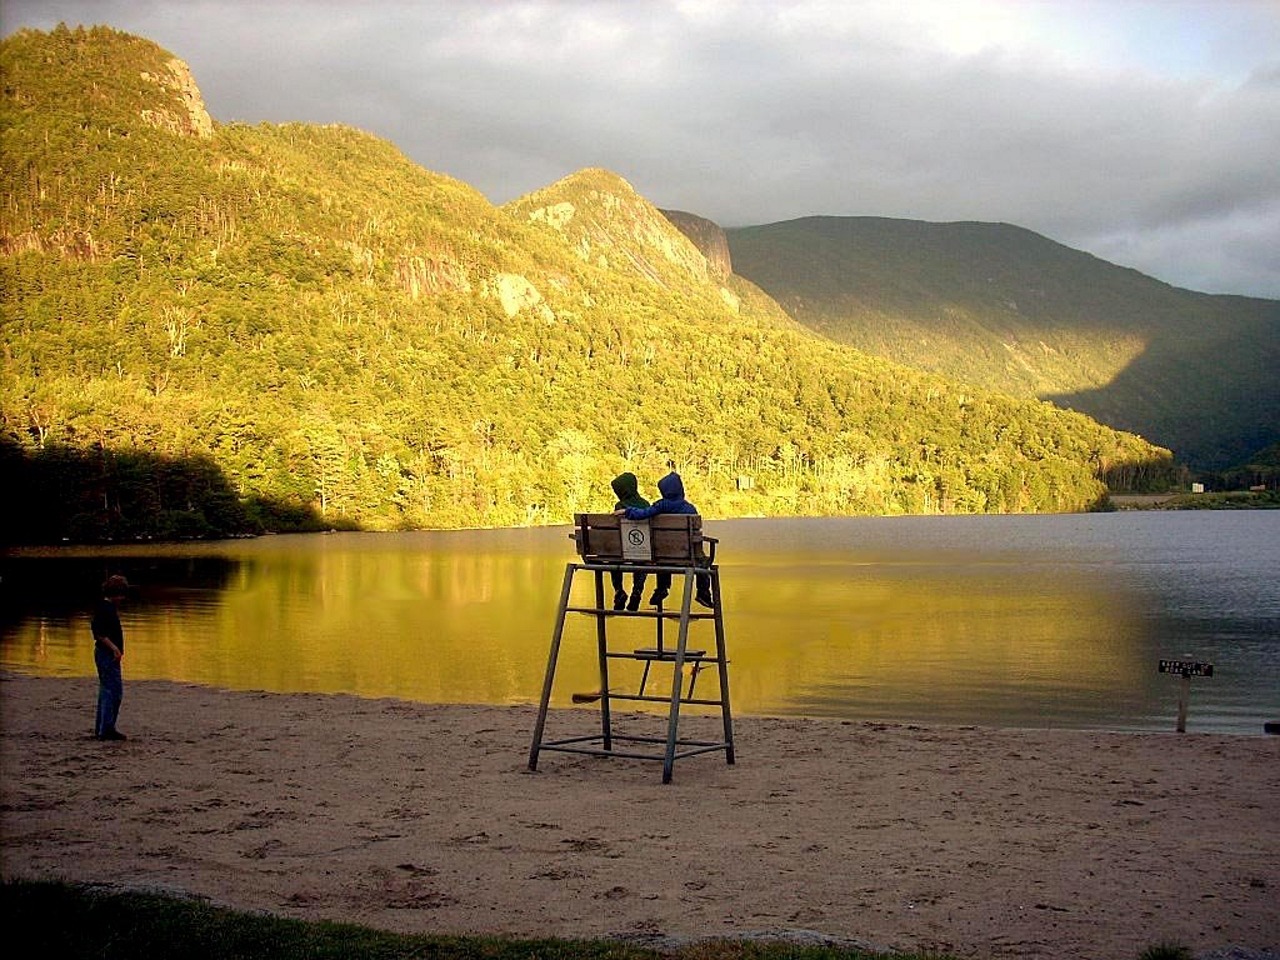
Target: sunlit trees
x=242, y=304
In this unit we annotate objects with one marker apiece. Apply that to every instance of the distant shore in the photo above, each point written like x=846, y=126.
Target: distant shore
x=1226, y=500
x=413, y=817
x=1175, y=500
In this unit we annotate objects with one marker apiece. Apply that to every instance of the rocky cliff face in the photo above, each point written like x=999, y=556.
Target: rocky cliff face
x=607, y=223
x=708, y=237
x=188, y=116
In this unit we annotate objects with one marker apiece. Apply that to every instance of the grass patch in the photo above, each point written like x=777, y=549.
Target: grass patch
x=1166, y=951
x=86, y=923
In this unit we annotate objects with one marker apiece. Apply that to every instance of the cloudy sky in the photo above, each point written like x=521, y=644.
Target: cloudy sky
x=1147, y=133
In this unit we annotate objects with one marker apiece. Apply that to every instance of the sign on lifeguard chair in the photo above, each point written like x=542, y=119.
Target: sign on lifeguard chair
x=636, y=544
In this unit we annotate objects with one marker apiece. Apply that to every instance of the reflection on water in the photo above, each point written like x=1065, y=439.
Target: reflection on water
x=1009, y=621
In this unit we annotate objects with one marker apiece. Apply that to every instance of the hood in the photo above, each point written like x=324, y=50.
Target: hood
x=628, y=490
x=671, y=487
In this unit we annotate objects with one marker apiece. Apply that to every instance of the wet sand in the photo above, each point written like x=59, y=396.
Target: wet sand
x=422, y=818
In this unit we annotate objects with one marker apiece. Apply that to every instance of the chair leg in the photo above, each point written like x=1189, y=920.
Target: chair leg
x=552, y=656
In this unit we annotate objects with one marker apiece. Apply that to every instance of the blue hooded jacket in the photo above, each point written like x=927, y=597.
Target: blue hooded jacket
x=672, y=489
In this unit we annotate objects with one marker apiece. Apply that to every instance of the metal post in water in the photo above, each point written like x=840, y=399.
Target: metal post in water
x=1184, y=695
x=1187, y=668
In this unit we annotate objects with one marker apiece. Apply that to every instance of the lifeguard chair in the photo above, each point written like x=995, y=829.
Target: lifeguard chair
x=667, y=543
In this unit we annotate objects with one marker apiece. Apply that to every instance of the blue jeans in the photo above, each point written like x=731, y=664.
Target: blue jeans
x=110, y=690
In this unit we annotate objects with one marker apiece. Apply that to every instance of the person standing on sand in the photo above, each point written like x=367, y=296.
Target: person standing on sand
x=108, y=651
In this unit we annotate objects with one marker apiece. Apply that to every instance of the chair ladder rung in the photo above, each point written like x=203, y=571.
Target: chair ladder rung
x=678, y=655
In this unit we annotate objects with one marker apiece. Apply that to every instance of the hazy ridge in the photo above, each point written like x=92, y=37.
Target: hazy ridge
x=1005, y=308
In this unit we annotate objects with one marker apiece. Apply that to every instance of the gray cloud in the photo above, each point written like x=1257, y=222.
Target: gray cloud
x=1161, y=158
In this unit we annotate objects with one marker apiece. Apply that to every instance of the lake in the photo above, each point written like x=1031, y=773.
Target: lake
x=1010, y=621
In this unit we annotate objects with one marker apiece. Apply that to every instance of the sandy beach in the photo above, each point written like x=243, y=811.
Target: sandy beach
x=422, y=818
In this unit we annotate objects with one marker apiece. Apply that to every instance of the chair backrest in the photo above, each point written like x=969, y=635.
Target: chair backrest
x=674, y=538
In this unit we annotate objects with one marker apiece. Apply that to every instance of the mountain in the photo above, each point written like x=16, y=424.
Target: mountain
x=214, y=328
x=707, y=236
x=1007, y=309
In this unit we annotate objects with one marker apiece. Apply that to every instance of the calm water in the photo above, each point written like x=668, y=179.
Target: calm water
x=1054, y=621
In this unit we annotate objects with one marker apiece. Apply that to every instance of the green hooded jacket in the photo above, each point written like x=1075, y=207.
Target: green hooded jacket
x=628, y=490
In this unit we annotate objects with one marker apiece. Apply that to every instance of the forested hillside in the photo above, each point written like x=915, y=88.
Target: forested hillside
x=218, y=328
x=1002, y=307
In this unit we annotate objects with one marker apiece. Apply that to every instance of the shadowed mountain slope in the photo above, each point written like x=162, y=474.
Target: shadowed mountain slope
x=1008, y=309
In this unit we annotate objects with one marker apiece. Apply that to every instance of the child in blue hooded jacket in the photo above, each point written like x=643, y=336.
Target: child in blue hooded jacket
x=672, y=489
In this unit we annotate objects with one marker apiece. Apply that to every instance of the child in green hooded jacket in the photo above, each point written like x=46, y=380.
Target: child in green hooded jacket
x=627, y=489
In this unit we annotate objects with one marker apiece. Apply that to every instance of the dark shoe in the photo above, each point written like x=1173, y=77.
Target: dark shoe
x=619, y=600
x=657, y=598
x=112, y=735
x=634, y=603
x=705, y=600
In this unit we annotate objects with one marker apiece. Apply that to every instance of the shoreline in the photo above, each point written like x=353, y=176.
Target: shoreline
x=982, y=842
x=1171, y=501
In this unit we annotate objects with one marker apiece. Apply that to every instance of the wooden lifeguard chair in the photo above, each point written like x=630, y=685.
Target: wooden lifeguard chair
x=668, y=543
